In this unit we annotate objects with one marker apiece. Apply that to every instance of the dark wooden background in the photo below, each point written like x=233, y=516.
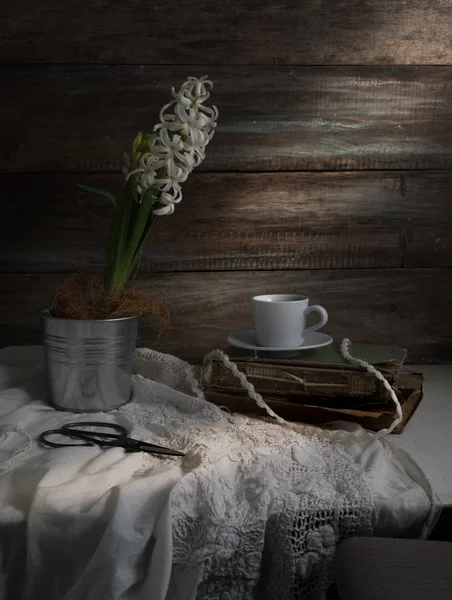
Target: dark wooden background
x=330, y=173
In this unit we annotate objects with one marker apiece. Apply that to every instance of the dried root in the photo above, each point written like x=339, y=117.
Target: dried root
x=82, y=297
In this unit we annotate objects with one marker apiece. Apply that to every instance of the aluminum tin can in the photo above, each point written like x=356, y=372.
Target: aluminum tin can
x=89, y=362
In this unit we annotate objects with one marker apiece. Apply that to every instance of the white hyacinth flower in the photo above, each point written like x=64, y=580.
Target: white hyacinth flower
x=178, y=144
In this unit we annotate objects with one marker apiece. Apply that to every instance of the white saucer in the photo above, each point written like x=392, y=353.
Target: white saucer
x=247, y=340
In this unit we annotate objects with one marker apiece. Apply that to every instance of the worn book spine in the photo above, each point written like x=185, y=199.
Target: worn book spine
x=370, y=417
x=298, y=381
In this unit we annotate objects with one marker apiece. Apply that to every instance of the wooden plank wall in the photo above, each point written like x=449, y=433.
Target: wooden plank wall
x=330, y=173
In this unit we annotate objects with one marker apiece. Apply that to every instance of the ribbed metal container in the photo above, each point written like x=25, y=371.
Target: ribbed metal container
x=89, y=363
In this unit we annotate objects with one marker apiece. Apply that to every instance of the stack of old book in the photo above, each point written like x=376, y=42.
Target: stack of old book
x=318, y=386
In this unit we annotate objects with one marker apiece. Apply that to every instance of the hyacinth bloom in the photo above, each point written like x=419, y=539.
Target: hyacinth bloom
x=154, y=171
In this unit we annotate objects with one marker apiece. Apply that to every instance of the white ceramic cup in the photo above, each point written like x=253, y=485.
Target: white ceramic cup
x=280, y=319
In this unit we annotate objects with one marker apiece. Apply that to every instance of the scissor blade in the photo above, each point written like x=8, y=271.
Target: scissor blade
x=153, y=449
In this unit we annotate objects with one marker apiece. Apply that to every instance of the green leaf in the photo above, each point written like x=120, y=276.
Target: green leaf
x=98, y=191
x=117, y=265
x=140, y=222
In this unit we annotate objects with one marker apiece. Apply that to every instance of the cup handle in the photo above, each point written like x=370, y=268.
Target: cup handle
x=323, y=317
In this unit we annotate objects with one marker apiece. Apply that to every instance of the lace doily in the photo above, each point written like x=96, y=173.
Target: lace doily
x=261, y=507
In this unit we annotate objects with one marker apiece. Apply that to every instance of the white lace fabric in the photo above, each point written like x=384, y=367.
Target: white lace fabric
x=266, y=506
x=254, y=509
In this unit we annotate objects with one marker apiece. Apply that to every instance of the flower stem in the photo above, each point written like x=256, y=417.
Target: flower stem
x=128, y=231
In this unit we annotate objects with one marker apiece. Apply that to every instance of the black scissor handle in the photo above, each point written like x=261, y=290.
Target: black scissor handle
x=101, y=438
x=91, y=438
x=43, y=439
x=74, y=428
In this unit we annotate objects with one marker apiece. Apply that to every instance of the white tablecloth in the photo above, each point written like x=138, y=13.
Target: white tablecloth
x=92, y=524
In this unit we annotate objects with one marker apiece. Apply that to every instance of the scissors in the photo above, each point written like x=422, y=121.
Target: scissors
x=103, y=439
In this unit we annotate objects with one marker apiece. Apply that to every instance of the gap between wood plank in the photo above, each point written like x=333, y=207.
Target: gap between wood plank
x=233, y=172
x=208, y=66
x=149, y=274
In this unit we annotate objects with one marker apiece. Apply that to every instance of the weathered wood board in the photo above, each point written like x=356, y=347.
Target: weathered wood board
x=233, y=32
x=407, y=307
x=230, y=221
x=82, y=118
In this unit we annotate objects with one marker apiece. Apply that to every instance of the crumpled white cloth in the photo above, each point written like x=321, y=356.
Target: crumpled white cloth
x=251, y=508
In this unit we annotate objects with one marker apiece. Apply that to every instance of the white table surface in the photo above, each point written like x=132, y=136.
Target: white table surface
x=428, y=435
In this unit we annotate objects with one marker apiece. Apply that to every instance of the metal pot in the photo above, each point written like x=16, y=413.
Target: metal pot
x=89, y=363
